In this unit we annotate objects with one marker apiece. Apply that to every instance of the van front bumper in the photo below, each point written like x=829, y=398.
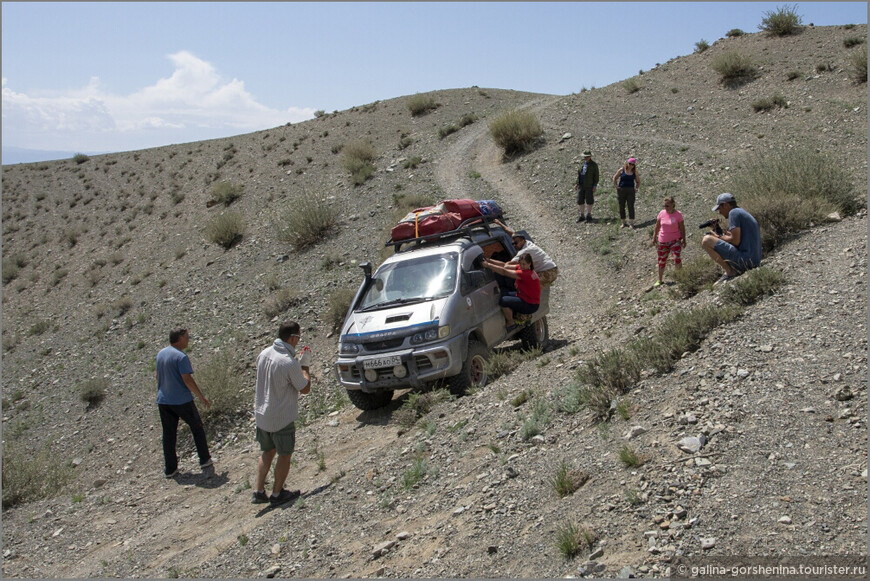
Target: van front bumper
x=417, y=367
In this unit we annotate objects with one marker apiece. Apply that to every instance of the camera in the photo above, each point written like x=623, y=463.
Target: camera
x=712, y=223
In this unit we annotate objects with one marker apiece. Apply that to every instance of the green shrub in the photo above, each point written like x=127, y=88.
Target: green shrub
x=734, y=32
x=319, y=113
x=701, y=46
x=40, y=327
x=788, y=191
x=854, y=41
x=696, y=275
x=615, y=369
x=537, y=420
x=93, y=391
x=226, y=192
x=415, y=473
x=121, y=305
x=279, y=302
x=567, y=480
x=446, y=130
x=10, y=269
x=631, y=86
x=421, y=104
x=221, y=383
x=226, y=229
x=30, y=475
x=503, y=362
x=515, y=131
x=571, y=540
x=413, y=162
x=338, y=305
x=792, y=75
x=754, y=284
x=781, y=22
x=858, y=66
x=629, y=457
x=768, y=103
x=734, y=69
x=80, y=158
x=358, y=158
x=306, y=223
x=405, y=141
x=467, y=119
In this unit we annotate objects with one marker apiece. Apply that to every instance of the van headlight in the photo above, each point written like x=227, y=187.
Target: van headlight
x=347, y=348
x=430, y=335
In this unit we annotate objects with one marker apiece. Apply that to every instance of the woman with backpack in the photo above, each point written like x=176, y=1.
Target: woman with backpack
x=627, y=182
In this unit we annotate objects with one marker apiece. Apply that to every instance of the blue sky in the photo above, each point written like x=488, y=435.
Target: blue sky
x=100, y=77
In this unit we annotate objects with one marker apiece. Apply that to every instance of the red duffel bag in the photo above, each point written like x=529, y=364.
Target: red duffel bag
x=465, y=208
x=423, y=222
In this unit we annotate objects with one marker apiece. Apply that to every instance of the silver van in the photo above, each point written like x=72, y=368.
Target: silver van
x=430, y=312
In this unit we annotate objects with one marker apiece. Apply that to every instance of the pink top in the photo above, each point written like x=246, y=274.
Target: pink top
x=670, y=226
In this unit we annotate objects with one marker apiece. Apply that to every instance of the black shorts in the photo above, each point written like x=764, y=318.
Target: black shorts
x=585, y=196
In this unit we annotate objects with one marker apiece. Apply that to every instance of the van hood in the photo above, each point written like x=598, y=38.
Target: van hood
x=395, y=321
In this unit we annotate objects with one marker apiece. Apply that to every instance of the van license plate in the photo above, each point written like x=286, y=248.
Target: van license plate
x=382, y=362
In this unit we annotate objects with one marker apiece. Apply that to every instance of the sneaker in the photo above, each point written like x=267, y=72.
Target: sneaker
x=510, y=328
x=581, y=218
x=723, y=279
x=171, y=475
x=283, y=497
x=657, y=283
x=624, y=225
x=631, y=226
x=588, y=217
x=259, y=498
x=207, y=463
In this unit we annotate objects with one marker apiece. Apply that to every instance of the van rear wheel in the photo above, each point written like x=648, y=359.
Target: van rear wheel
x=474, y=369
x=536, y=335
x=369, y=401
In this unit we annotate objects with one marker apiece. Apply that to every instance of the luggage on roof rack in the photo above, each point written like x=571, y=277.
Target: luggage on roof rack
x=446, y=216
x=465, y=227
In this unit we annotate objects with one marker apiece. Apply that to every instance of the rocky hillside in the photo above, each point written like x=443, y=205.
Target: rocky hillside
x=111, y=252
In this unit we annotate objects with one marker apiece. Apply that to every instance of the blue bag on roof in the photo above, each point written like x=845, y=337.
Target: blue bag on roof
x=490, y=208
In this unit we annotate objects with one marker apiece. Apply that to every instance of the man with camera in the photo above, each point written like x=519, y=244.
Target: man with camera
x=738, y=248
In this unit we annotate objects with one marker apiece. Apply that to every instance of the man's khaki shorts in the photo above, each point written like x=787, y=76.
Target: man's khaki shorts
x=548, y=277
x=284, y=440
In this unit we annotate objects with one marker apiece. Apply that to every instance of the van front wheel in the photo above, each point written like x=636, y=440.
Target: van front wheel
x=369, y=401
x=474, y=369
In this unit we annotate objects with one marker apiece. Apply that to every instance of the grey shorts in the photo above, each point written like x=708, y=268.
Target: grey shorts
x=733, y=257
x=284, y=440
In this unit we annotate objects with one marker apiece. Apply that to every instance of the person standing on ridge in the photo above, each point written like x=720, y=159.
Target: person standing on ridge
x=627, y=183
x=587, y=184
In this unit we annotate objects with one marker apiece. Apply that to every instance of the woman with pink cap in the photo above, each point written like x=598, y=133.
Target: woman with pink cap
x=627, y=182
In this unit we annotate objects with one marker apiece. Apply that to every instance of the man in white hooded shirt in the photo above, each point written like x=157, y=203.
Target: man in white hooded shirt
x=281, y=377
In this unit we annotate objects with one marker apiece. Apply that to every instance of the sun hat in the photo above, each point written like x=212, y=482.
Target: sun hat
x=631, y=160
x=587, y=153
x=722, y=199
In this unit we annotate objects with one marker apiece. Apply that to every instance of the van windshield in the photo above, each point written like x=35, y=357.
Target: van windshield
x=411, y=281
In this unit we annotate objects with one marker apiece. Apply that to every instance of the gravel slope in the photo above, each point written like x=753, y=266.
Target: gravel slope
x=780, y=394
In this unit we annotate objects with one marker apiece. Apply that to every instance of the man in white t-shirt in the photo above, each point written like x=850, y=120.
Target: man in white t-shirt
x=541, y=261
x=281, y=377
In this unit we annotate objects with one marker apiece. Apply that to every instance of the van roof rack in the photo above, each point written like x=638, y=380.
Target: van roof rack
x=465, y=228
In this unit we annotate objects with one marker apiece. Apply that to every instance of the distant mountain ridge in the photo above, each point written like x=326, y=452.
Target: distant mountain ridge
x=13, y=155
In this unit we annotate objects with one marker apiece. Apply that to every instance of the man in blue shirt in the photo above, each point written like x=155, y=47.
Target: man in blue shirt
x=175, y=390
x=738, y=248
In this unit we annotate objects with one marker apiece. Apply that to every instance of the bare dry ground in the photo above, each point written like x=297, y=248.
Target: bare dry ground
x=113, y=254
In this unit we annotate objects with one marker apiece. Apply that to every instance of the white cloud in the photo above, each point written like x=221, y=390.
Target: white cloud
x=194, y=103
